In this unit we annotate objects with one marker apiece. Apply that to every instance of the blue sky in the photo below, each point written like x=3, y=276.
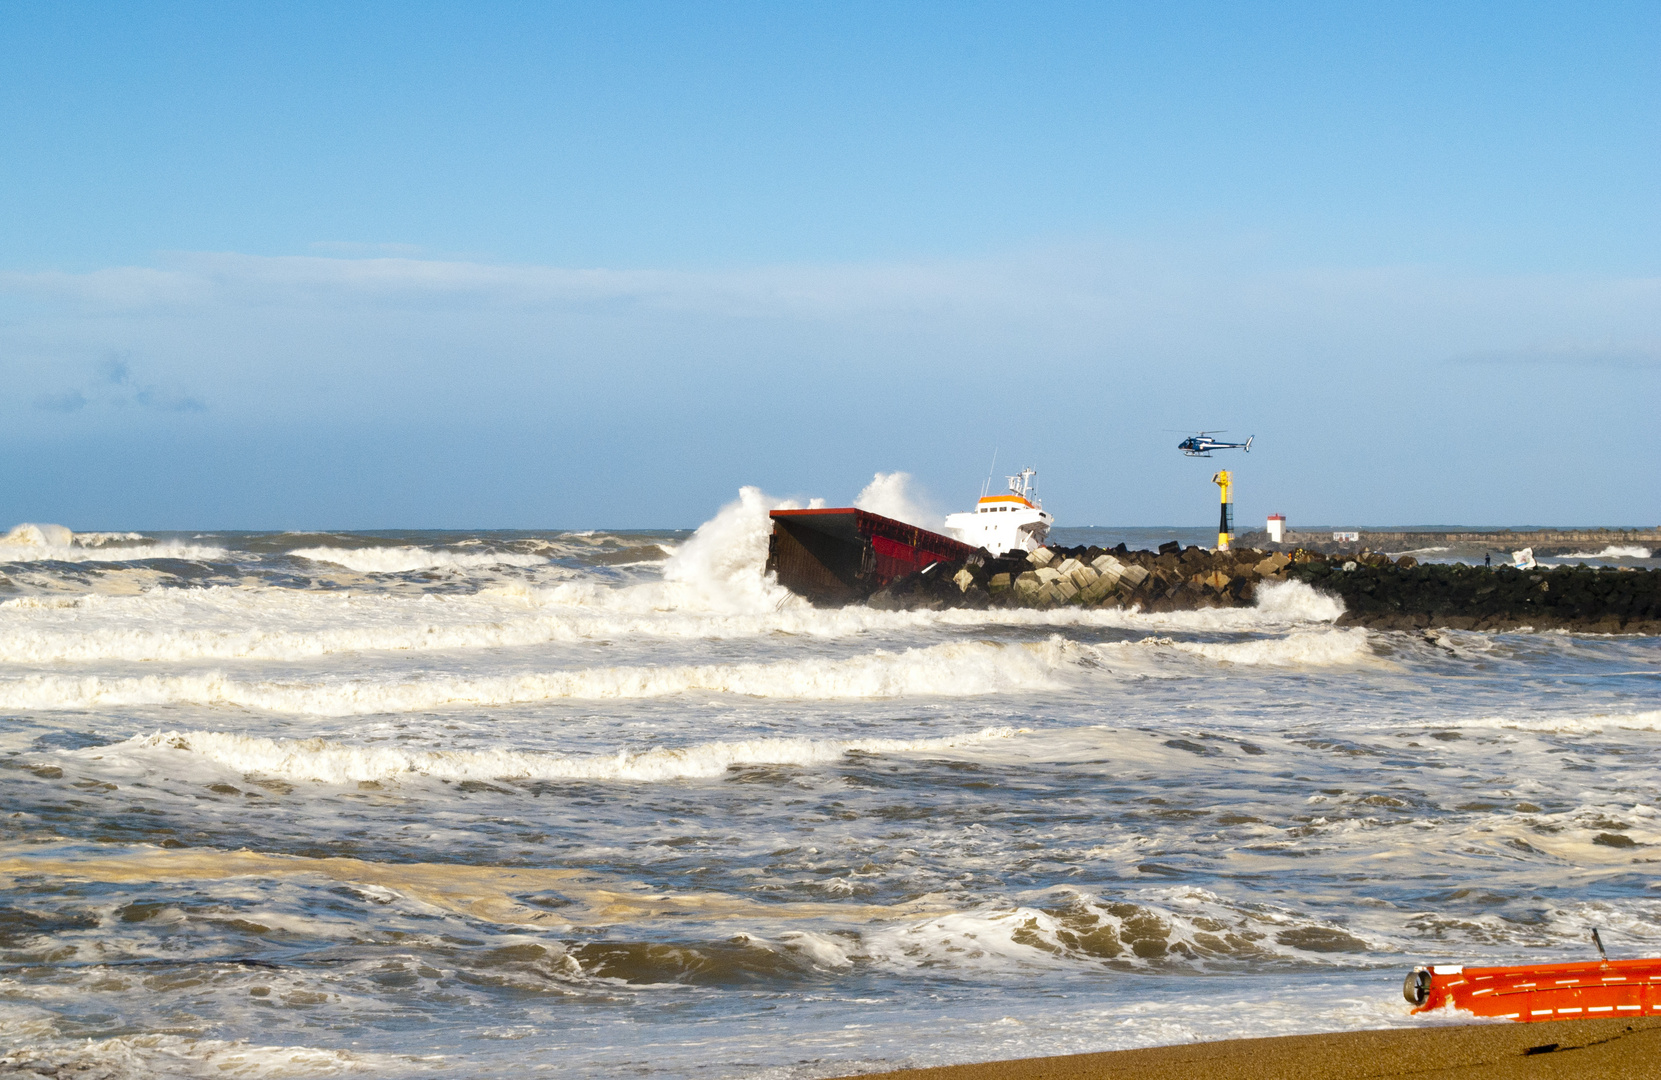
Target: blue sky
x=357, y=266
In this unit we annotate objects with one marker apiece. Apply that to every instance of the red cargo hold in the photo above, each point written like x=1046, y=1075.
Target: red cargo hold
x=842, y=555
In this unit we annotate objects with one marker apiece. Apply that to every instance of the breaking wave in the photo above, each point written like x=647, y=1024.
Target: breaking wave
x=337, y=763
x=28, y=543
x=99, y=539
x=404, y=560
x=1190, y=927
x=1295, y=601
x=246, y=623
x=719, y=568
x=1613, y=551
x=132, y=1057
x=1312, y=648
x=955, y=670
x=894, y=495
x=1586, y=723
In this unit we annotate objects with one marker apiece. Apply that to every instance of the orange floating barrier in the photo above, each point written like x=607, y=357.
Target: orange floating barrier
x=1540, y=991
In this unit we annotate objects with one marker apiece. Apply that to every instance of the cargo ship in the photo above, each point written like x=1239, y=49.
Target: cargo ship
x=842, y=555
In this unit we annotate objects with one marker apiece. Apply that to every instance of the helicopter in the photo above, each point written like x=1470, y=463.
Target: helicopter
x=1201, y=444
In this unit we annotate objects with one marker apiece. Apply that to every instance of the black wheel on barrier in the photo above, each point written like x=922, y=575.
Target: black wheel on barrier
x=1416, y=987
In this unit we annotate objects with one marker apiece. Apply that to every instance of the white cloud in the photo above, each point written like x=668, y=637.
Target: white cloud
x=1072, y=359
x=113, y=385
x=1111, y=289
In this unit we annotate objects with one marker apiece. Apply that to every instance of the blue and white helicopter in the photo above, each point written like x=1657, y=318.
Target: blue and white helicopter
x=1201, y=444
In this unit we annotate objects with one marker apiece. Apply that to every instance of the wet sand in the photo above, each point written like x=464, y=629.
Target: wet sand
x=1606, y=1049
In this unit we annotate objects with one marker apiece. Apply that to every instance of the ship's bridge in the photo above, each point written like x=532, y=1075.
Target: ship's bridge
x=993, y=503
x=1012, y=520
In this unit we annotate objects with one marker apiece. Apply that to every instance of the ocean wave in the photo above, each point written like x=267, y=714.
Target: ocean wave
x=894, y=495
x=99, y=539
x=955, y=670
x=1155, y=928
x=1307, y=648
x=404, y=560
x=719, y=568
x=1296, y=601
x=712, y=587
x=132, y=1057
x=1613, y=551
x=268, y=623
x=30, y=543
x=1579, y=723
x=256, y=623
x=337, y=763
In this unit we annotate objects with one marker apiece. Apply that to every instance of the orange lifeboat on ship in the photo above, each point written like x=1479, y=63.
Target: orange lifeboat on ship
x=1540, y=991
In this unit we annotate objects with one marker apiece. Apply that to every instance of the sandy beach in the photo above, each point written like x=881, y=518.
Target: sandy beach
x=1608, y=1049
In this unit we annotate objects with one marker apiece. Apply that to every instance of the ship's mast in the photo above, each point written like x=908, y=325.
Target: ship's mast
x=1022, y=484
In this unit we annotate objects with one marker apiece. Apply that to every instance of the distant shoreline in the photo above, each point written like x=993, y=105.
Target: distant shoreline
x=1544, y=542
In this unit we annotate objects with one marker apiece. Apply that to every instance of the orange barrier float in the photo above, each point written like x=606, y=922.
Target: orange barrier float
x=1540, y=991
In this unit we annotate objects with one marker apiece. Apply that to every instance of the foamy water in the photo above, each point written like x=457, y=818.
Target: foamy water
x=449, y=804
x=1612, y=551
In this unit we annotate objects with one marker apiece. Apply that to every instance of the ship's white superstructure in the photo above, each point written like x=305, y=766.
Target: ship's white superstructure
x=1012, y=521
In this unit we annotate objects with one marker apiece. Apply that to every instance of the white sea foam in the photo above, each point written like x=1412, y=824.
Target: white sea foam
x=30, y=534
x=958, y=669
x=955, y=670
x=30, y=542
x=262, y=623
x=1613, y=551
x=719, y=568
x=1649, y=720
x=338, y=763
x=1304, y=648
x=403, y=560
x=893, y=495
x=1159, y=927
x=1295, y=601
x=1116, y=786
x=99, y=539
x=132, y=1057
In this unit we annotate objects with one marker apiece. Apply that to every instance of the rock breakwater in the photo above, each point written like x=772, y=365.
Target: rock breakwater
x=1377, y=591
x=1388, y=595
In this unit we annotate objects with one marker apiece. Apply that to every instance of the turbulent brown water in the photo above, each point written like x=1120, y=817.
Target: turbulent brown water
x=477, y=804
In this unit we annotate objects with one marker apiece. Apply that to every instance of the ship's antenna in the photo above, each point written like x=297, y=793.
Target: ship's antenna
x=987, y=487
x=1598, y=941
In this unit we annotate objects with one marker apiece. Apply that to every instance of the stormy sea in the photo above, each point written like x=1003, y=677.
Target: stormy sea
x=604, y=804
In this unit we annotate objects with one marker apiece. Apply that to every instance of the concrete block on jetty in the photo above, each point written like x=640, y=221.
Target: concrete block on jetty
x=1089, y=576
